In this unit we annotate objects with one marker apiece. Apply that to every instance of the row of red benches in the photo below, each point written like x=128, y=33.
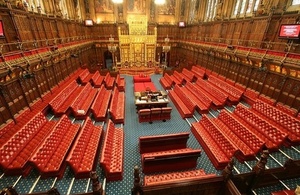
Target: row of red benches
x=49, y=157
x=157, y=143
x=150, y=115
x=199, y=72
x=166, y=81
x=220, y=142
x=17, y=150
x=97, y=79
x=112, y=155
x=44, y=145
x=203, y=104
x=170, y=160
x=82, y=156
x=109, y=81
x=188, y=75
x=163, y=153
x=178, y=78
x=234, y=94
x=218, y=98
x=101, y=103
x=117, y=106
x=279, y=119
x=120, y=83
x=81, y=105
x=183, y=104
x=272, y=136
x=85, y=77
x=62, y=101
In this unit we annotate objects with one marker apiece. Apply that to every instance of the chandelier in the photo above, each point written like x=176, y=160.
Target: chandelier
x=159, y=2
x=117, y=1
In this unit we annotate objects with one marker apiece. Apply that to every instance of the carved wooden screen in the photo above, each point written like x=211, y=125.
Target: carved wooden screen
x=244, y=75
x=41, y=29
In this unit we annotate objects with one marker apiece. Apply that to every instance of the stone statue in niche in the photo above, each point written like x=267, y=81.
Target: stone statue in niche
x=20, y=5
x=261, y=8
x=182, y=8
x=136, y=6
x=219, y=11
x=103, y=6
x=57, y=8
x=168, y=8
x=87, y=6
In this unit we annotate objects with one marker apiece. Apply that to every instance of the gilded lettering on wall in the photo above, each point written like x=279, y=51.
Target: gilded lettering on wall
x=103, y=6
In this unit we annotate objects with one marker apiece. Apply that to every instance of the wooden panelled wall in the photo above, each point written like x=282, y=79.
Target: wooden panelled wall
x=59, y=47
x=278, y=77
x=26, y=31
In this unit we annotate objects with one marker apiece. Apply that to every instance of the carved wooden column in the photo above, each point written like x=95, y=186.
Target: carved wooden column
x=258, y=169
x=137, y=188
x=227, y=172
x=96, y=185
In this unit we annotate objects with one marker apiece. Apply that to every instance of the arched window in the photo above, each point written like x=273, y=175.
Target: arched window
x=243, y=7
x=211, y=9
x=296, y=2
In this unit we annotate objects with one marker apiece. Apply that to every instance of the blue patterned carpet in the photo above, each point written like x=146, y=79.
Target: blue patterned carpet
x=133, y=130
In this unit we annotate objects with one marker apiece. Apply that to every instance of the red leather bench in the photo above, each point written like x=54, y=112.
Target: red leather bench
x=198, y=71
x=60, y=104
x=144, y=86
x=82, y=157
x=166, y=82
x=250, y=96
x=175, y=177
x=49, y=157
x=120, y=82
x=85, y=77
x=141, y=78
x=218, y=98
x=97, y=79
x=117, y=106
x=266, y=99
x=272, y=137
x=112, y=155
x=245, y=152
x=109, y=81
x=241, y=131
x=218, y=149
x=101, y=104
x=170, y=160
x=282, y=121
x=286, y=109
x=83, y=101
x=155, y=143
x=203, y=103
x=188, y=75
x=179, y=78
x=234, y=94
x=16, y=152
x=183, y=104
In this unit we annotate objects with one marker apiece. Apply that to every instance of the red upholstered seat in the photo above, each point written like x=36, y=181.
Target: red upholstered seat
x=175, y=177
x=144, y=115
x=155, y=114
x=166, y=113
